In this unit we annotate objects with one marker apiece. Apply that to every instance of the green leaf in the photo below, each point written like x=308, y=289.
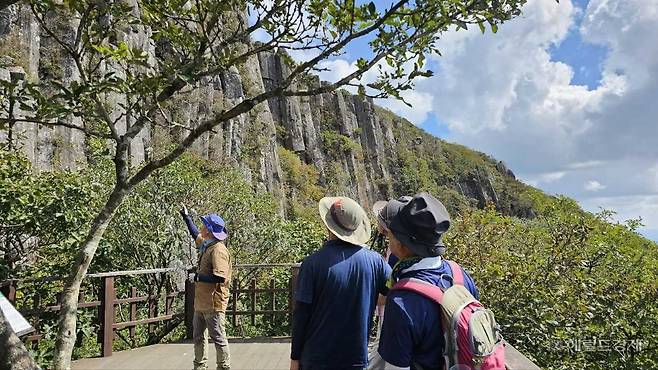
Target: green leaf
x=372, y=8
x=481, y=25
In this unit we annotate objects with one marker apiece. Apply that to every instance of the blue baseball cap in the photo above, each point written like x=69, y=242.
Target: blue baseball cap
x=216, y=225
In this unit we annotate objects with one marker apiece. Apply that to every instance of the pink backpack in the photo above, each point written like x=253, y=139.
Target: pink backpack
x=472, y=337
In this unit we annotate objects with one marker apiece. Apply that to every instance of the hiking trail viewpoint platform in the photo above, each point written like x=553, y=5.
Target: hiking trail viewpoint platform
x=118, y=308
x=246, y=354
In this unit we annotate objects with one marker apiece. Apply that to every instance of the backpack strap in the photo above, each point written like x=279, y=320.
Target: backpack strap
x=423, y=288
x=433, y=293
x=457, y=274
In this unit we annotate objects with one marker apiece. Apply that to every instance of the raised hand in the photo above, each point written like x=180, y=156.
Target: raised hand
x=183, y=211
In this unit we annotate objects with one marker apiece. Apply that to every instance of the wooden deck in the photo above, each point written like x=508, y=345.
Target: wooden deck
x=253, y=354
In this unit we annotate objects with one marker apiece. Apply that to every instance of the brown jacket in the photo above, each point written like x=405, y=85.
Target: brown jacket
x=210, y=297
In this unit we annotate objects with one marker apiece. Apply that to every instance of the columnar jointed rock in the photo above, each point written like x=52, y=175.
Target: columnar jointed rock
x=372, y=141
x=261, y=131
x=285, y=110
x=364, y=165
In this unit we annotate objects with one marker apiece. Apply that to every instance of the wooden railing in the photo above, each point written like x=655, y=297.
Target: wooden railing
x=247, y=287
x=250, y=283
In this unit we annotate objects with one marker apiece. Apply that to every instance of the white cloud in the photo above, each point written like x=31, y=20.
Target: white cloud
x=585, y=165
x=502, y=94
x=336, y=69
x=593, y=185
x=552, y=176
x=421, y=105
x=544, y=178
x=629, y=208
x=421, y=102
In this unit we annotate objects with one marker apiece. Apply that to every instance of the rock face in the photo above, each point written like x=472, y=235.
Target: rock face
x=353, y=144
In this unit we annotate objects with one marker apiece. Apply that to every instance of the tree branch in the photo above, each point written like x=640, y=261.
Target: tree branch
x=247, y=104
x=83, y=76
x=60, y=124
x=241, y=36
x=339, y=46
x=50, y=33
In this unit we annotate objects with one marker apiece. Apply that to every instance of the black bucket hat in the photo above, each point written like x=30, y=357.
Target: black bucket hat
x=420, y=224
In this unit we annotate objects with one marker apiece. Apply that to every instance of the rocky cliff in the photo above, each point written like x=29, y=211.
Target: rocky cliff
x=350, y=145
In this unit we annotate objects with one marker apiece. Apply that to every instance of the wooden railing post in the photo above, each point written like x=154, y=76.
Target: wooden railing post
x=235, y=302
x=169, y=302
x=189, y=309
x=153, y=302
x=253, y=302
x=273, y=299
x=294, y=273
x=133, y=315
x=107, y=316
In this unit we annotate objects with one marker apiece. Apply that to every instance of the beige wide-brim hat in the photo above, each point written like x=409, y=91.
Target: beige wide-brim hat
x=346, y=219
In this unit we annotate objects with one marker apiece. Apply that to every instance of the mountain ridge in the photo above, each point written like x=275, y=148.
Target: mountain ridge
x=357, y=149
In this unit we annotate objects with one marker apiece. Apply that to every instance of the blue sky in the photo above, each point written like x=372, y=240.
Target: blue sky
x=585, y=58
x=566, y=98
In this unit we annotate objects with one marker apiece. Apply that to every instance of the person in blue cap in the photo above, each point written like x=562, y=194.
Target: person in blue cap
x=211, y=291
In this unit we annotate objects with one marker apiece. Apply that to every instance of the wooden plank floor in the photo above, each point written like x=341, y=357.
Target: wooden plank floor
x=251, y=354
x=255, y=354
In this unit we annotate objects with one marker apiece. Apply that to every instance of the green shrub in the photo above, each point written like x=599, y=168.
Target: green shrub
x=561, y=280
x=42, y=214
x=336, y=178
x=54, y=209
x=337, y=145
x=300, y=178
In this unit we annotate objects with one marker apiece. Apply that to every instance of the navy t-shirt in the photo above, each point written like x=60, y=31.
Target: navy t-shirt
x=411, y=331
x=340, y=282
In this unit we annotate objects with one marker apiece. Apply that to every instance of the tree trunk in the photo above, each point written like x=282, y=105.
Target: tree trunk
x=13, y=354
x=69, y=304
